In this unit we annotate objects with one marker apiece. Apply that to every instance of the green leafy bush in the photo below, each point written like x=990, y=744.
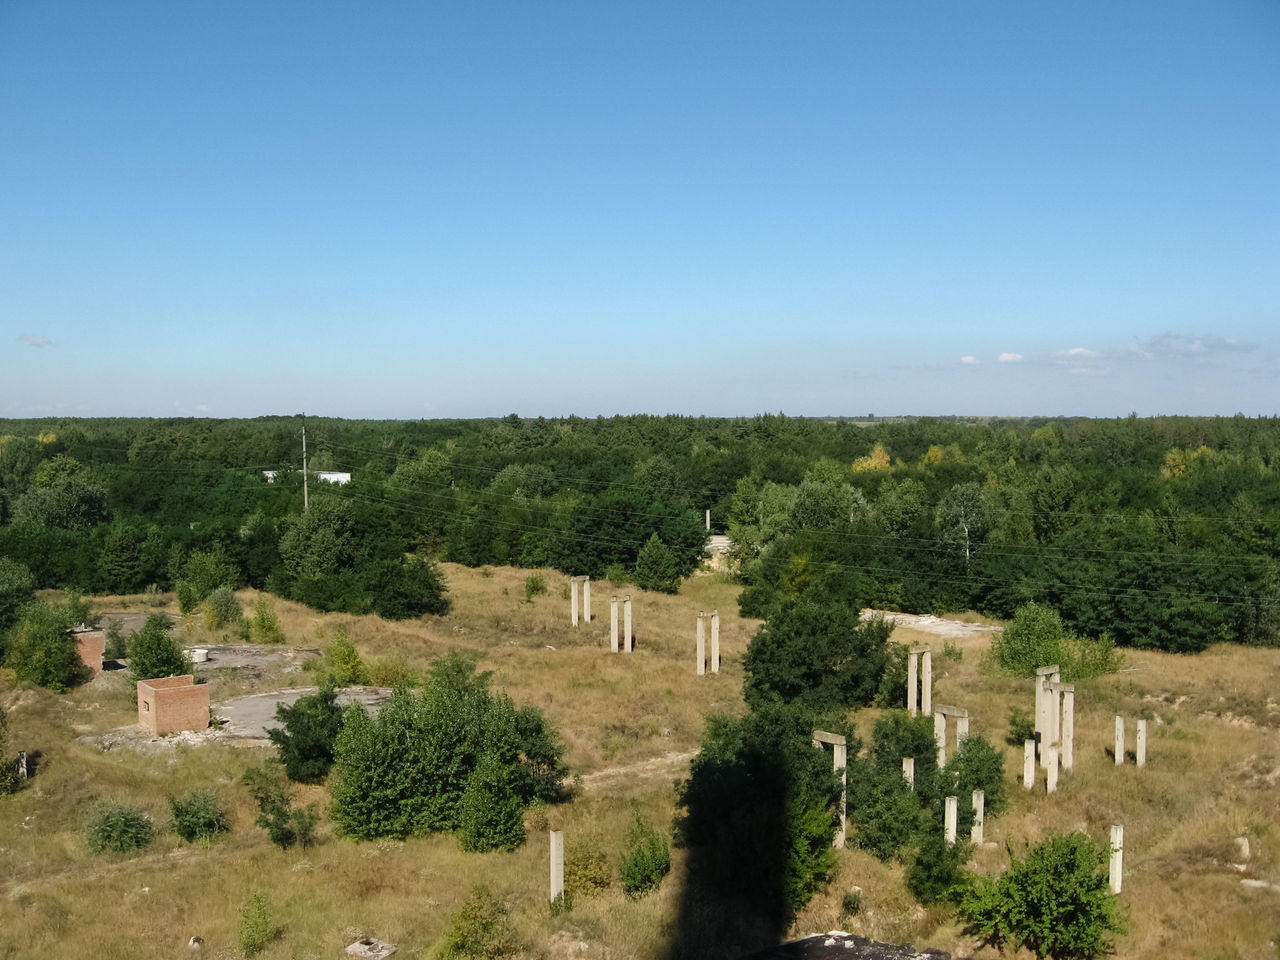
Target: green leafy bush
x=285, y=824
x=1037, y=638
x=977, y=765
x=587, y=872
x=480, y=929
x=203, y=572
x=936, y=874
x=117, y=828
x=885, y=813
x=40, y=649
x=17, y=588
x=535, y=585
x=154, y=653
x=1021, y=727
x=264, y=626
x=256, y=928
x=197, y=817
x=657, y=567
x=9, y=782
x=646, y=860
x=116, y=646
x=490, y=813
x=221, y=608
x=344, y=663
x=311, y=726
x=1056, y=902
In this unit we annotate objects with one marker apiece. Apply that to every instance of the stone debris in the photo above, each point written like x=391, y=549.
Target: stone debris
x=370, y=949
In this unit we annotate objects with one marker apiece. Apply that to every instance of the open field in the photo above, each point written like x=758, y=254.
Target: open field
x=630, y=724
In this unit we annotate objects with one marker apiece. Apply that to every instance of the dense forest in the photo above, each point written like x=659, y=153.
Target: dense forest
x=1157, y=532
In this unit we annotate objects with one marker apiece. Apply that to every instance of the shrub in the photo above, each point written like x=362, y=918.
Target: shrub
x=850, y=905
x=646, y=860
x=117, y=828
x=305, y=743
x=1037, y=638
x=977, y=765
x=202, y=573
x=264, y=627
x=1021, y=727
x=9, y=782
x=116, y=647
x=408, y=588
x=285, y=824
x=197, y=817
x=936, y=874
x=40, y=649
x=256, y=929
x=1055, y=902
x=480, y=929
x=535, y=585
x=344, y=663
x=154, y=653
x=17, y=588
x=657, y=567
x=587, y=872
x=892, y=691
x=885, y=814
x=221, y=608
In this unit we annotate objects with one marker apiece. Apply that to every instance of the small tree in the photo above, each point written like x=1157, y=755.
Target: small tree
x=221, y=608
x=197, y=817
x=41, y=650
x=17, y=587
x=480, y=929
x=1055, y=902
x=285, y=824
x=117, y=828
x=490, y=815
x=154, y=653
x=311, y=726
x=657, y=568
x=256, y=928
x=646, y=861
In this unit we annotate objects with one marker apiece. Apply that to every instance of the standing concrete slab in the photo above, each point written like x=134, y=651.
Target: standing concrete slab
x=1119, y=741
x=926, y=681
x=1141, y=749
x=701, y=648
x=909, y=771
x=940, y=737
x=952, y=808
x=1028, y=764
x=573, y=601
x=715, y=641
x=839, y=762
x=626, y=623
x=586, y=599
x=1051, y=768
x=1045, y=734
x=1117, y=856
x=913, y=682
x=613, y=624
x=557, y=864
x=1068, y=726
x=979, y=815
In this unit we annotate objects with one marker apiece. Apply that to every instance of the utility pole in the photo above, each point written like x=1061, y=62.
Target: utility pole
x=305, y=504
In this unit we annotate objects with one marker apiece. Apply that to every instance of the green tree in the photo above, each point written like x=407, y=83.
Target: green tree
x=305, y=743
x=17, y=587
x=40, y=648
x=656, y=567
x=490, y=813
x=1055, y=902
x=152, y=652
x=203, y=572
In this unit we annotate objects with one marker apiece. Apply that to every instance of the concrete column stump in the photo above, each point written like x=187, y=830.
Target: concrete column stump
x=913, y=682
x=573, y=600
x=940, y=737
x=979, y=812
x=909, y=771
x=1051, y=768
x=926, y=681
x=1119, y=741
x=626, y=623
x=952, y=808
x=613, y=624
x=839, y=761
x=1117, y=856
x=962, y=730
x=701, y=647
x=715, y=641
x=1028, y=764
x=586, y=599
x=1141, y=750
x=557, y=864
x=1068, y=728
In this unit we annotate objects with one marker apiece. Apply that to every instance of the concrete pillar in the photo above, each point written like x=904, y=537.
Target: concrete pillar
x=1040, y=709
x=586, y=599
x=613, y=624
x=1055, y=713
x=573, y=600
x=1141, y=749
x=840, y=761
x=926, y=681
x=557, y=864
x=708, y=521
x=626, y=623
x=913, y=680
x=1119, y=741
x=702, y=647
x=962, y=730
x=940, y=737
x=953, y=805
x=715, y=641
x=909, y=771
x=1028, y=764
x=1117, y=856
x=979, y=814
x=1051, y=767
x=22, y=764
x=1068, y=729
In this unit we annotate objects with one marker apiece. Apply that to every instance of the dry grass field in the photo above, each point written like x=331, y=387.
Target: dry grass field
x=629, y=723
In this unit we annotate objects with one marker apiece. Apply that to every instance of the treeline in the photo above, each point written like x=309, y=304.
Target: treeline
x=1160, y=532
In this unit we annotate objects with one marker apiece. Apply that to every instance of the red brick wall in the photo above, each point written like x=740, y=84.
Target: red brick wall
x=172, y=704
x=90, y=644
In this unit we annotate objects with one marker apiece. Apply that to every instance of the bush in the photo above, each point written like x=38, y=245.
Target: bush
x=892, y=691
x=657, y=567
x=1037, y=638
x=17, y=588
x=221, y=608
x=490, y=814
x=344, y=663
x=977, y=765
x=646, y=861
x=1055, y=902
x=480, y=929
x=535, y=585
x=264, y=627
x=256, y=929
x=197, y=817
x=40, y=649
x=117, y=828
x=587, y=872
x=885, y=814
x=306, y=741
x=850, y=905
x=1021, y=727
x=936, y=874
x=408, y=588
x=9, y=782
x=285, y=824
x=154, y=653
x=116, y=647
x=203, y=572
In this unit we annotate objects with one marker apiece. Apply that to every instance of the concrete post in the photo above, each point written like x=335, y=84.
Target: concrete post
x=979, y=813
x=22, y=764
x=1028, y=764
x=913, y=680
x=613, y=624
x=940, y=737
x=962, y=730
x=708, y=521
x=1055, y=713
x=1068, y=728
x=586, y=599
x=626, y=622
x=1044, y=726
x=909, y=771
x=1141, y=749
x=557, y=864
x=841, y=760
x=702, y=647
x=1119, y=741
x=1051, y=766
x=926, y=681
x=573, y=600
x=715, y=641
x=1117, y=856
x=953, y=804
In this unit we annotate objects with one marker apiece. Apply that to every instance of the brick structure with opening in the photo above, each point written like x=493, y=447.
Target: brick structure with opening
x=90, y=645
x=172, y=704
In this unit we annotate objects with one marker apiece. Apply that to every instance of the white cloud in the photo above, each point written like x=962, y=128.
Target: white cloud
x=1179, y=346
x=35, y=341
x=1010, y=358
x=969, y=360
x=202, y=407
x=1080, y=353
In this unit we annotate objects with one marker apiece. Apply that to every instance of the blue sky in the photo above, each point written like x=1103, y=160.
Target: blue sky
x=467, y=209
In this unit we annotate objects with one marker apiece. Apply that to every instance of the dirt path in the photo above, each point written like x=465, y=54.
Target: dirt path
x=927, y=623
x=670, y=765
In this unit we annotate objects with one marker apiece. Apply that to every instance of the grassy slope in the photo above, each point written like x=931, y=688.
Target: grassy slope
x=1212, y=776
